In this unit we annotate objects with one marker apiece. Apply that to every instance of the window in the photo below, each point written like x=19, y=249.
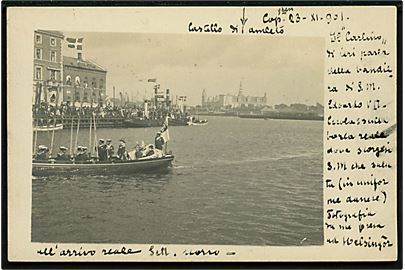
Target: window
x=77, y=80
x=38, y=73
x=68, y=80
x=94, y=83
x=53, y=42
x=85, y=83
x=53, y=56
x=101, y=84
x=38, y=39
x=52, y=74
x=38, y=53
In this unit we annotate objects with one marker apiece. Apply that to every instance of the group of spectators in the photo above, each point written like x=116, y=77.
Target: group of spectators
x=45, y=114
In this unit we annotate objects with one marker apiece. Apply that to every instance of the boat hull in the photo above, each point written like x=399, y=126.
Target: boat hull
x=198, y=123
x=144, y=123
x=48, y=128
x=101, y=168
x=287, y=116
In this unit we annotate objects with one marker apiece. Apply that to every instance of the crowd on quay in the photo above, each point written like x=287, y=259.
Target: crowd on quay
x=44, y=114
x=105, y=152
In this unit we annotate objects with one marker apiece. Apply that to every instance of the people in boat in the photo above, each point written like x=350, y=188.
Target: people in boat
x=62, y=155
x=110, y=149
x=81, y=153
x=102, y=150
x=138, y=151
x=159, y=141
x=150, y=151
x=122, y=151
x=42, y=153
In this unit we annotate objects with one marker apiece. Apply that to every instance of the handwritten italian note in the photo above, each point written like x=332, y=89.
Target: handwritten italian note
x=360, y=142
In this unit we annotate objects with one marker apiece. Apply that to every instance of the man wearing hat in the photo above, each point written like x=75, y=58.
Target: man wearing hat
x=42, y=153
x=110, y=149
x=81, y=153
x=102, y=150
x=122, y=152
x=159, y=141
x=62, y=155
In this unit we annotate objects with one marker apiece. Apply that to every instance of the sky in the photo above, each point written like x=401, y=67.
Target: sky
x=288, y=69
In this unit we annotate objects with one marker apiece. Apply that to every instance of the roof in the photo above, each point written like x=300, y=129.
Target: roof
x=82, y=64
x=51, y=33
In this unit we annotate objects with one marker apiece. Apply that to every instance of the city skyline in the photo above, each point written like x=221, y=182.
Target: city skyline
x=187, y=64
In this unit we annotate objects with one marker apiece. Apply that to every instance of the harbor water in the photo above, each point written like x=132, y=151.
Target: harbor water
x=234, y=181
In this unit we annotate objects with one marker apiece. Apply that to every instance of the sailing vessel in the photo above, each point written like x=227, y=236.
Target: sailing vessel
x=93, y=166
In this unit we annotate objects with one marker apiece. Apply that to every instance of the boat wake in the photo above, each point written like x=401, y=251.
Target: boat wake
x=182, y=167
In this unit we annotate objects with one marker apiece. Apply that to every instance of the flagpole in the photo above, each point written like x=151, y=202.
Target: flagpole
x=90, y=144
x=71, y=138
x=113, y=96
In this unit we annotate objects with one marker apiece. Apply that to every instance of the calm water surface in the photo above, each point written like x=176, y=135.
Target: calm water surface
x=234, y=181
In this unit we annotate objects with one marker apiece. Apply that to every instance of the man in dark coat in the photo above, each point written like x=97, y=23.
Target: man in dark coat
x=102, y=150
x=110, y=149
x=81, y=154
x=122, y=152
x=42, y=153
x=62, y=155
x=159, y=141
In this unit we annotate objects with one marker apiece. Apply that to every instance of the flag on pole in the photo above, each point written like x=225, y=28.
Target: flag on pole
x=152, y=80
x=75, y=43
x=165, y=130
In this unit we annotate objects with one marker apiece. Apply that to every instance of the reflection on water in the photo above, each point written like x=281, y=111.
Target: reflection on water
x=234, y=181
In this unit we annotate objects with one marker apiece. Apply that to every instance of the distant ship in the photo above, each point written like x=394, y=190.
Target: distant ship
x=284, y=115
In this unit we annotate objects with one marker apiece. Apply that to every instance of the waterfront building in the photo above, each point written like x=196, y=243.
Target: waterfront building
x=48, y=71
x=228, y=101
x=300, y=108
x=84, y=81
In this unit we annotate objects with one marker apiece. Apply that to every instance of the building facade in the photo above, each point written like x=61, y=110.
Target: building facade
x=84, y=82
x=227, y=101
x=48, y=69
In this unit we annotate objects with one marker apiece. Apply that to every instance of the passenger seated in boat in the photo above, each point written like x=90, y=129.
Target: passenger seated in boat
x=138, y=151
x=110, y=149
x=81, y=154
x=122, y=152
x=159, y=141
x=62, y=155
x=42, y=153
x=102, y=150
x=150, y=151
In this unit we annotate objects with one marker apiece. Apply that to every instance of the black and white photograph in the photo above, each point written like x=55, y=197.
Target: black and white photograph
x=174, y=138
